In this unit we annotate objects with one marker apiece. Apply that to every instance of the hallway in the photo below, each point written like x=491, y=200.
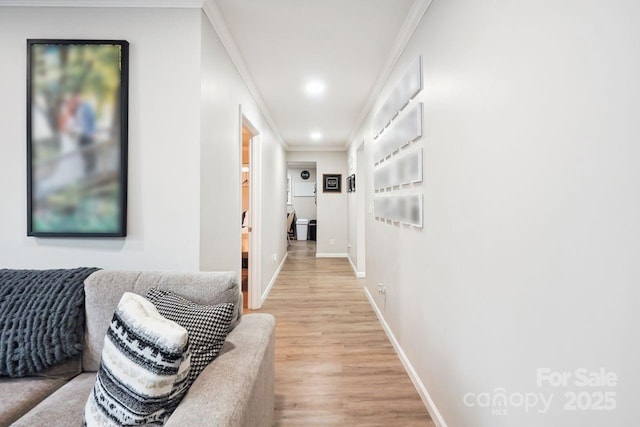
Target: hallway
x=334, y=364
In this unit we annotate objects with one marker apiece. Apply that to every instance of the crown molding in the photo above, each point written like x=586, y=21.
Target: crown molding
x=315, y=148
x=184, y=4
x=417, y=11
x=214, y=14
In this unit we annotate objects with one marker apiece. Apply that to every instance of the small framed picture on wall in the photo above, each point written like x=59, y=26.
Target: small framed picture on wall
x=331, y=183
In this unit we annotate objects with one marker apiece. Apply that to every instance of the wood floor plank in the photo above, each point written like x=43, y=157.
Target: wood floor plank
x=334, y=363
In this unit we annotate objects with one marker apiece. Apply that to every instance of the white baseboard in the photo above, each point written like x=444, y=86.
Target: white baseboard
x=273, y=279
x=331, y=255
x=359, y=274
x=413, y=375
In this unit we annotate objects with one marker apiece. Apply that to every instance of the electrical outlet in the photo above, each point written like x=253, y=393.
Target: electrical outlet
x=382, y=291
x=349, y=245
x=275, y=258
x=332, y=242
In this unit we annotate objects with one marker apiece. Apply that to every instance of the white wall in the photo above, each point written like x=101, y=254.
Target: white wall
x=352, y=212
x=273, y=176
x=357, y=164
x=223, y=91
x=332, y=207
x=164, y=138
x=360, y=207
x=305, y=206
x=529, y=254
x=184, y=146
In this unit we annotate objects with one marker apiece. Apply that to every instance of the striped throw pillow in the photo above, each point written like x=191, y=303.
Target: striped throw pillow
x=144, y=368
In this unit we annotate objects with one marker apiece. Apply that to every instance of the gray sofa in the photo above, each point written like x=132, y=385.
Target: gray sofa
x=236, y=389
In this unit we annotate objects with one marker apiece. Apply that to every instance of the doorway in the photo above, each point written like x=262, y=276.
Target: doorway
x=302, y=205
x=246, y=205
x=250, y=214
x=359, y=189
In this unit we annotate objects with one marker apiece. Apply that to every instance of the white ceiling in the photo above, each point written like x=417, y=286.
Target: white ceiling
x=279, y=45
x=286, y=43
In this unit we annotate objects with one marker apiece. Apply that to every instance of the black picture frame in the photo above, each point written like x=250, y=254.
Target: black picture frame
x=349, y=184
x=331, y=183
x=352, y=183
x=77, y=137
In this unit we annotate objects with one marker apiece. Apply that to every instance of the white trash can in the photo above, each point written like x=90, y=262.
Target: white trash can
x=301, y=228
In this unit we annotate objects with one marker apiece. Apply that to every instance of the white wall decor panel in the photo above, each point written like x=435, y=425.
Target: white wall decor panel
x=404, y=91
x=399, y=170
x=404, y=209
x=404, y=131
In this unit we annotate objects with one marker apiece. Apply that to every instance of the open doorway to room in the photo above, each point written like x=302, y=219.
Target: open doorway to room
x=302, y=206
x=359, y=190
x=246, y=204
x=250, y=218
x=356, y=208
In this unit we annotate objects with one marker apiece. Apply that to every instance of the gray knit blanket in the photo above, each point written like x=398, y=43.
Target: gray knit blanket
x=41, y=318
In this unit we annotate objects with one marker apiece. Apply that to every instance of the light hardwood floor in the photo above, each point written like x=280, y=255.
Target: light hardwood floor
x=334, y=363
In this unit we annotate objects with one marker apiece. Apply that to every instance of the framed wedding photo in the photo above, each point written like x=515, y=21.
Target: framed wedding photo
x=77, y=120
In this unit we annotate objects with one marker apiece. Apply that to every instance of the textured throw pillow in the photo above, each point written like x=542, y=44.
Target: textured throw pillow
x=143, y=370
x=41, y=319
x=208, y=325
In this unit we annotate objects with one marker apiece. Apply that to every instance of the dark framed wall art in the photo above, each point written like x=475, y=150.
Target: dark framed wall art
x=77, y=120
x=331, y=183
x=351, y=183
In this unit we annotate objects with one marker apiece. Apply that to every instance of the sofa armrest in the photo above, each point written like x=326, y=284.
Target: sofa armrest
x=236, y=389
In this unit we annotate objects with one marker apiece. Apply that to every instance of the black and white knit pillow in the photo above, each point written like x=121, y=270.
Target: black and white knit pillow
x=208, y=325
x=144, y=368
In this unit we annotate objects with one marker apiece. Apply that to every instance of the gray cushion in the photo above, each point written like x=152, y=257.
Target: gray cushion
x=19, y=395
x=62, y=408
x=64, y=371
x=103, y=289
x=236, y=389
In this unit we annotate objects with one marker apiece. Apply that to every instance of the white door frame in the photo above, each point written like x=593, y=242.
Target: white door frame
x=361, y=210
x=255, y=214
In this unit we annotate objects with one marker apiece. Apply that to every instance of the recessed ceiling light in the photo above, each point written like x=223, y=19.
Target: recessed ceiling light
x=316, y=136
x=315, y=88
